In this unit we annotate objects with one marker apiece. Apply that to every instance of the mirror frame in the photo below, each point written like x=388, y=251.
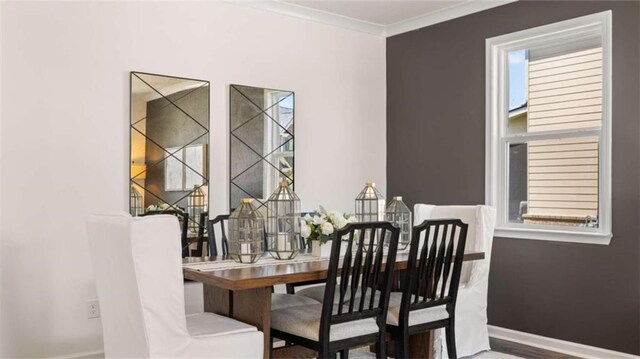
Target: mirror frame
x=293, y=173
x=207, y=134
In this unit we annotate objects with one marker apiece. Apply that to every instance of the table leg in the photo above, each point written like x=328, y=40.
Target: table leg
x=421, y=345
x=253, y=306
x=218, y=300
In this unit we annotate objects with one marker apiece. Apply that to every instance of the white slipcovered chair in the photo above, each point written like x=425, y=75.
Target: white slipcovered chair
x=471, y=309
x=193, y=297
x=138, y=271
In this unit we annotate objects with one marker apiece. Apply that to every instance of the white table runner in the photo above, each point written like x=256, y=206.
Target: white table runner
x=266, y=260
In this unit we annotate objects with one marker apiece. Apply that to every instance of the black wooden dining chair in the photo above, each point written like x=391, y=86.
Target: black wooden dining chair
x=358, y=319
x=222, y=221
x=202, y=233
x=430, y=290
x=182, y=216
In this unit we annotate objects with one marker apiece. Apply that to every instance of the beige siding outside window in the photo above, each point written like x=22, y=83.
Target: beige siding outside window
x=565, y=93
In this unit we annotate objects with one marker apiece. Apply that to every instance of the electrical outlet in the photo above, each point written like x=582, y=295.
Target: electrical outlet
x=93, y=309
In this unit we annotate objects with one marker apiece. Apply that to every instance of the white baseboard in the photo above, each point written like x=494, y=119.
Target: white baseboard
x=557, y=345
x=98, y=354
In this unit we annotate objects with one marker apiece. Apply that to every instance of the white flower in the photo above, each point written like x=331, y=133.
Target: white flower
x=352, y=219
x=327, y=228
x=340, y=222
x=307, y=217
x=317, y=220
x=305, y=230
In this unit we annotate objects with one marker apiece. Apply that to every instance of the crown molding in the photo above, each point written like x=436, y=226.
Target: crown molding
x=345, y=22
x=452, y=12
x=309, y=14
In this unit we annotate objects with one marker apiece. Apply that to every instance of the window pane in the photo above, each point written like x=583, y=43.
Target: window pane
x=173, y=170
x=194, y=171
x=517, y=94
x=561, y=181
x=517, y=182
x=555, y=88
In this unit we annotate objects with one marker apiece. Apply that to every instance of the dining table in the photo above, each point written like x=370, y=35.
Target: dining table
x=244, y=291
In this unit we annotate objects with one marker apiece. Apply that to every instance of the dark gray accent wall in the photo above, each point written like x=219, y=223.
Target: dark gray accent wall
x=582, y=293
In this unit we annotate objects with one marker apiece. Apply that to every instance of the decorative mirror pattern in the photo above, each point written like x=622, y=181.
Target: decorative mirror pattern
x=261, y=123
x=169, y=147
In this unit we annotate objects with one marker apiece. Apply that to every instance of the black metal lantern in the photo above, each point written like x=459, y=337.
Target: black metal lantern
x=246, y=233
x=370, y=204
x=195, y=205
x=283, y=223
x=400, y=216
x=135, y=202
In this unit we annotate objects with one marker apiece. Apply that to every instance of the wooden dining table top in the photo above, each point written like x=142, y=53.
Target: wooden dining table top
x=260, y=276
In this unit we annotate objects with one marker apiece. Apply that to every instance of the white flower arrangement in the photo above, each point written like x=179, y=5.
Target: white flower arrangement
x=321, y=226
x=160, y=207
x=163, y=207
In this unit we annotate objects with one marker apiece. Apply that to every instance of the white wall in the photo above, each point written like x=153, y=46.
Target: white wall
x=64, y=136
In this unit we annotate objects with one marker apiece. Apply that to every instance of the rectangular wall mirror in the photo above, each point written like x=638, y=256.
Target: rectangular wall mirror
x=169, y=147
x=261, y=123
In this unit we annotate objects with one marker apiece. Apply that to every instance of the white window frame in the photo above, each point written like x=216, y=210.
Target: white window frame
x=497, y=138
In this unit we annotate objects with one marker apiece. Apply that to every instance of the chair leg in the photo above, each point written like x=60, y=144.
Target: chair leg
x=402, y=343
x=451, y=338
x=381, y=353
x=344, y=354
x=323, y=353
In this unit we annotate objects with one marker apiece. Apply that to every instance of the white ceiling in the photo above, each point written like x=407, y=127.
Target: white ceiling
x=380, y=12
x=377, y=17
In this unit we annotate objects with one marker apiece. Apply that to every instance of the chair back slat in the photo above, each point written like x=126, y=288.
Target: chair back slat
x=426, y=264
x=202, y=231
x=346, y=273
x=213, y=246
x=432, y=264
x=447, y=259
x=366, y=277
x=377, y=268
x=440, y=263
x=367, y=272
x=357, y=269
x=433, y=270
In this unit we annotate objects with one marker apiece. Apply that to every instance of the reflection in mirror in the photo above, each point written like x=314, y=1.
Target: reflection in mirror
x=169, y=152
x=262, y=142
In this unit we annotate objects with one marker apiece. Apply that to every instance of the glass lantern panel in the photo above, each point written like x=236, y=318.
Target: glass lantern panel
x=283, y=225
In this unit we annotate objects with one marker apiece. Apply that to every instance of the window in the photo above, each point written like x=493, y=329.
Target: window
x=184, y=167
x=549, y=131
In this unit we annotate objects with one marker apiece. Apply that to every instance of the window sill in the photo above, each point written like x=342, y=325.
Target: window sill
x=554, y=235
